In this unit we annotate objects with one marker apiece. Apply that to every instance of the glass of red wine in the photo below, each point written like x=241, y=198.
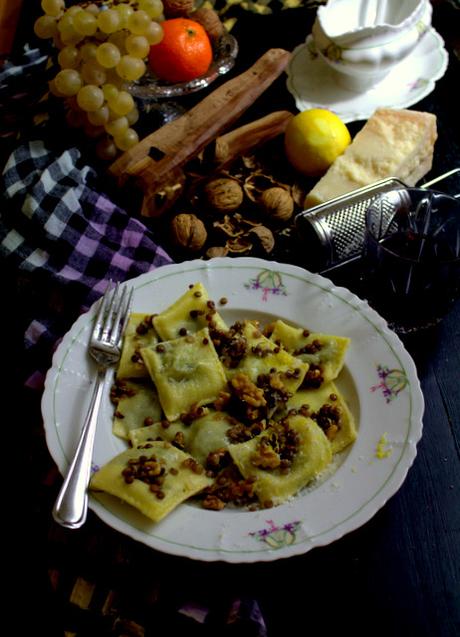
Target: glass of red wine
x=412, y=257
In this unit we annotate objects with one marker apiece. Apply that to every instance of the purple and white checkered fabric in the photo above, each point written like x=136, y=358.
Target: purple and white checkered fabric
x=54, y=223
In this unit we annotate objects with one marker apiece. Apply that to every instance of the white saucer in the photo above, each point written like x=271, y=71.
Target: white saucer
x=313, y=83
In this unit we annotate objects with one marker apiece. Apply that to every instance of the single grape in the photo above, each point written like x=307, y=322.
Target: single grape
x=93, y=9
x=68, y=57
x=53, y=7
x=138, y=22
x=72, y=11
x=53, y=89
x=137, y=45
x=106, y=149
x=127, y=139
x=71, y=37
x=153, y=8
x=67, y=30
x=108, y=21
x=99, y=117
x=85, y=23
x=45, y=27
x=122, y=103
x=68, y=82
x=117, y=126
x=132, y=116
x=110, y=91
x=90, y=97
x=108, y=55
x=154, y=33
x=65, y=23
x=124, y=11
x=93, y=73
x=88, y=51
x=130, y=68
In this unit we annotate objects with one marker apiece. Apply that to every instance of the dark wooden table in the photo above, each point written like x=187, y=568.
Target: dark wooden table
x=399, y=574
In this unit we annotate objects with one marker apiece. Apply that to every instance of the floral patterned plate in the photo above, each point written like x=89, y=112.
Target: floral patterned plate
x=313, y=83
x=379, y=382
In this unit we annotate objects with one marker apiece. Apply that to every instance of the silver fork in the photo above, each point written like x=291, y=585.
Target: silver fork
x=71, y=505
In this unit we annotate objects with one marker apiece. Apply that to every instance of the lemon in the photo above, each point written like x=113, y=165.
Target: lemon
x=314, y=139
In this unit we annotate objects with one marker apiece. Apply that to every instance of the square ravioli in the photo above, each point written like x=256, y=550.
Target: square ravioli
x=323, y=352
x=328, y=408
x=139, y=332
x=136, y=403
x=193, y=311
x=200, y=438
x=154, y=478
x=263, y=356
x=174, y=432
x=186, y=371
x=283, y=459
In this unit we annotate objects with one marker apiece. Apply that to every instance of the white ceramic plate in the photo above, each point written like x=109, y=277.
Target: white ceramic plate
x=314, y=85
x=379, y=381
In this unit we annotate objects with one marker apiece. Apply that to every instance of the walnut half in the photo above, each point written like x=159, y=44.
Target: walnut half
x=263, y=238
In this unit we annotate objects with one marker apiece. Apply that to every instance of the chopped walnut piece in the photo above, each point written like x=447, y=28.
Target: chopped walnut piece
x=246, y=390
x=193, y=465
x=230, y=486
x=179, y=440
x=217, y=459
x=313, y=378
x=331, y=432
x=265, y=457
x=328, y=418
x=241, y=433
x=213, y=503
x=222, y=400
x=193, y=413
x=233, y=350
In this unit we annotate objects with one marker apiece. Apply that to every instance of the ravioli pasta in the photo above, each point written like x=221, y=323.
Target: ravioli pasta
x=229, y=415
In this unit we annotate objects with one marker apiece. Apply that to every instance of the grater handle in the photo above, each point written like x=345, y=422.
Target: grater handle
x=449, y=173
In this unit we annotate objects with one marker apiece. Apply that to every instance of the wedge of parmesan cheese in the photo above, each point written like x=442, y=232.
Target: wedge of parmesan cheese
x=392, y=143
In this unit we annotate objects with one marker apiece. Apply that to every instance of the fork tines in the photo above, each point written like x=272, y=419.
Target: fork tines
x=112, y=314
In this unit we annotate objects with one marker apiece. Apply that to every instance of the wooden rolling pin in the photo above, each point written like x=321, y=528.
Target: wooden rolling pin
x=156, y=162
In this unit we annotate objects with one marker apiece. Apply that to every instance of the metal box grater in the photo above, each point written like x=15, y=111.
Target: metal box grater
x=334, y=231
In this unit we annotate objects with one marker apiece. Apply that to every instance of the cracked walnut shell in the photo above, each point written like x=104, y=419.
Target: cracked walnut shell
x=264, y=238
x=188, y=232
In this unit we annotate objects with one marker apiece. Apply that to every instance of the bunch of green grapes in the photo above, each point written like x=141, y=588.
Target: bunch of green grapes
x=102, y=48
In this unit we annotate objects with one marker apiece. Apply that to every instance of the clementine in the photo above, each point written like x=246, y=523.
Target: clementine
x=184, y=53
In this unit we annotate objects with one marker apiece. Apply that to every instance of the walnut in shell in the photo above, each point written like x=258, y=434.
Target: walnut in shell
x=277, y=204
x=223, y=195
x=210, y=21
x=177, y=8
x=188, y=232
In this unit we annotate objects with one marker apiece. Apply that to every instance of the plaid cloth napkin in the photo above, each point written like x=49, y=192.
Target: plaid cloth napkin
x=55, y=224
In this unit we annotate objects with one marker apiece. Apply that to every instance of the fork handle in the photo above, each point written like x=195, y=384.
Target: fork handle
x=71, y=504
